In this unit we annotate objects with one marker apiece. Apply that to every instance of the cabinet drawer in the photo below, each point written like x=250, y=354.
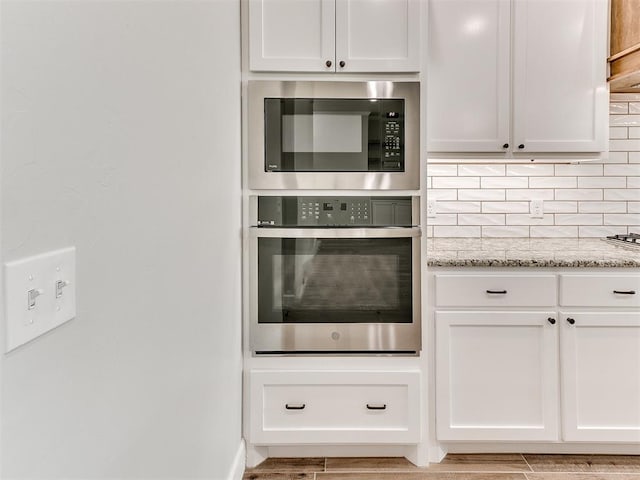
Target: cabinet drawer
x=600, y=290
x=334, y=407
x=495, y=290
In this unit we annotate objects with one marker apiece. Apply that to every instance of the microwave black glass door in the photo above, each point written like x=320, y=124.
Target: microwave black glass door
x=334, y=135
x=334, y=280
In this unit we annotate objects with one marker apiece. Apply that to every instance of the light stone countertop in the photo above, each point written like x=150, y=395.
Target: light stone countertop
x=529, y=252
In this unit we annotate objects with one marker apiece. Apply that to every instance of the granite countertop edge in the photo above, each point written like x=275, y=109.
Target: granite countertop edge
x=530, y=252
x=485, y=262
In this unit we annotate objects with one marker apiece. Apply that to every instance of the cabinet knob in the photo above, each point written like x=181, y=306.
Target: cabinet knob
x=506, y=145
x=376, y=407
x=521, y=146
x=342, y=64
x=295, y=407
x=497, y=292
x=624, y=292
x=551, y=320
x=571, y=321
x=328, y=63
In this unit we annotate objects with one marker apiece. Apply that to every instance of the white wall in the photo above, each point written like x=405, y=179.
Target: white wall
x=121, y=136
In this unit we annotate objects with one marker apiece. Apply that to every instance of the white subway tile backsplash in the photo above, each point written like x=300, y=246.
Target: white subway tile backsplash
x=456, y=182
x=617, y=157
x=529, y=194
x=481, y=219
x=624, y=97
x=560, y=207
x=458, y=207
x=624, y=120
x=481, y=170
x=520, y=219
x=488, y=195
x=511, y=231
x=619, y=108
x=457, y=232
x=578, y=219
x=553, y=182
x=579, y=170
x=619, y=194
x=622, y=218
x=434, y=170
x=626, y=170
x=602, y=182
x=504, y=182
x=442, y=194
x=590, y=231
x=620, y=132
x=554, y=232
x=631, y=145
x=578, y=194
x=529, y=170
x=505, y=207
x=591, y=199
x=443, y=219
x=602, y=207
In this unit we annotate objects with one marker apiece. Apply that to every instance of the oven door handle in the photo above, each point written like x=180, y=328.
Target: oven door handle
x=382, y=232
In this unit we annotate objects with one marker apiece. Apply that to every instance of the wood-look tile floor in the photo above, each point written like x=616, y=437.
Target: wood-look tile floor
x=453, y=467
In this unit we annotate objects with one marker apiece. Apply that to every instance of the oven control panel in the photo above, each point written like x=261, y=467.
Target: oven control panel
x=322, y=211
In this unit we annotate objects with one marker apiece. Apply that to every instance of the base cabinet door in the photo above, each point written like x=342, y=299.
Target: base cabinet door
x=496, y=376
x=600, y=358
x=337, y=407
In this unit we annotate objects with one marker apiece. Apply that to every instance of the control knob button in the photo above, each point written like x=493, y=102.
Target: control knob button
x=335, y=335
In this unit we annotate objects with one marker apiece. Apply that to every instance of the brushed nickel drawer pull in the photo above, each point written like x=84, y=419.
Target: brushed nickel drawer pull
x=377, y=407
x=625, y=292
x=295, y=407
x=497, y=292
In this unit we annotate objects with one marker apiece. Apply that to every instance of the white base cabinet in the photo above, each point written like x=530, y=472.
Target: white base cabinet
x=334, y=407
x=600, y=358
x=497, y=376
x=519, y=359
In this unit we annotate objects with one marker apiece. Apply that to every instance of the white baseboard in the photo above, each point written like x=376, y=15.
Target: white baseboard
x=237, y=468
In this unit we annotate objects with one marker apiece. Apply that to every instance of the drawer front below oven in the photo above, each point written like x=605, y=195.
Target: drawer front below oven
x=317, y=407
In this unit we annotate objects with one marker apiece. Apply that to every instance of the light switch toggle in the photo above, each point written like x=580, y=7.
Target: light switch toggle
x=60, y=284
x=31, y=297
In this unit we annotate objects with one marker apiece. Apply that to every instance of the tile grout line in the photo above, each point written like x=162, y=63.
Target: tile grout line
x=525, y=461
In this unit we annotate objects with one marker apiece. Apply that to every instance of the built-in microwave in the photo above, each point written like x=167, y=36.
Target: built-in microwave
x=334, y=274
x=333, y=135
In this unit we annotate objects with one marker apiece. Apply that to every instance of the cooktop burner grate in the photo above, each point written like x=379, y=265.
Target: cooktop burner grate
x=628, y=238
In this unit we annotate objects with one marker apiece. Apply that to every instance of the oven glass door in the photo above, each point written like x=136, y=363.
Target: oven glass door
x=334, y=280
x=334, y=135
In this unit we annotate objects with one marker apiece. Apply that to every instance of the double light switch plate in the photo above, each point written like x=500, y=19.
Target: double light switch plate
x=40, y=294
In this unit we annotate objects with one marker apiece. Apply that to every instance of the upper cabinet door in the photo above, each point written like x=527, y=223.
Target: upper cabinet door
x=292, y=35
x=468, y=76
x=560, y=93
x=377, y=35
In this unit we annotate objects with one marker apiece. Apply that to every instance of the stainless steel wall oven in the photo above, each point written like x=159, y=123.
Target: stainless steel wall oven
x=333, y=135
x=335, y=275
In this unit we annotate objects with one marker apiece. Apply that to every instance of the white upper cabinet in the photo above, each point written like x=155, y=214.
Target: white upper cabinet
x=377, y=36
x=559, y=92
x=292, y=35
x=468, y=75
x=334, y=35
x=517, y=76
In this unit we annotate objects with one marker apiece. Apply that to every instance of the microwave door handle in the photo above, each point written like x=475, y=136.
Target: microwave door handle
x=383, y=232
